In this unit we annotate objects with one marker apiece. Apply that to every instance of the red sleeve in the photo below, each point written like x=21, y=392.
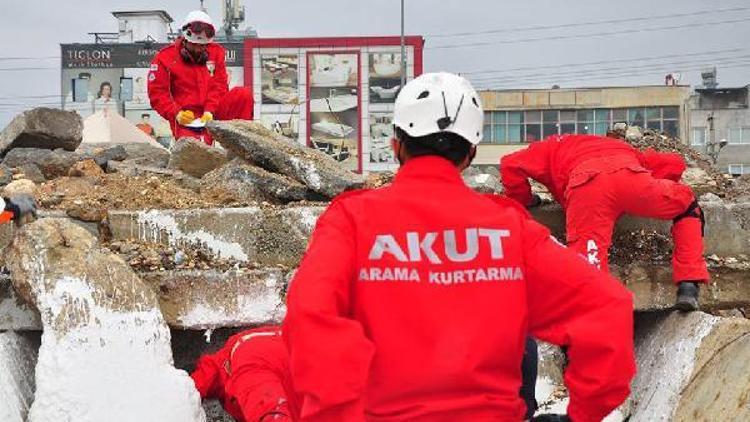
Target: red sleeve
x=518, y=167
x=206, y=376
x=330, y=355
x=664, y=165
x=217, y=85
x=573, y=304
x=160, y=91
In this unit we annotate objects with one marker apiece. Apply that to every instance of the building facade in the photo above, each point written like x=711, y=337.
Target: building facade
x=725, y=110
x=514, y=118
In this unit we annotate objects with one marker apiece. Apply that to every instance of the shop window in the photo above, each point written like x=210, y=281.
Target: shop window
x=653, y=113
x=585, y=115
x=601, y=128
x=498, y=132
x=533, y=117
x=549, y=129
x=515, y=117
x=550, y=116
x=585, y=128
x=740, y=135
x=672, y=127
x=671, y=112
x=602, y=115
x=654, y=124
x=514, y=134
x=533, y=132
x=487, y=137
x=567, y=128
x=619, y=115
x=699, y=136
x=568, y=116
x=738, y=169
x=635, y=117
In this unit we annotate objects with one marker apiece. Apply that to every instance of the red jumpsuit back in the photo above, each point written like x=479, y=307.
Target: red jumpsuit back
x=413, y=303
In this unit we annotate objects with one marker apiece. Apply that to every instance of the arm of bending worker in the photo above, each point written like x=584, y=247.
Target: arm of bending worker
x=329, y=353
x=518, y=167
x=160, y=92
x=218, y=86
x=573, y=304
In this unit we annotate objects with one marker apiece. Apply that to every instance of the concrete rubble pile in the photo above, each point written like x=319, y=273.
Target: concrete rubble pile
x=103, y=332
x=207, y=238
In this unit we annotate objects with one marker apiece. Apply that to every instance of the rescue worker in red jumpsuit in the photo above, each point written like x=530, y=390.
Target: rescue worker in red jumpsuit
x=16, y=208
x=250, y=377
x=187, y=81
x=598, y=179
x=414, y=301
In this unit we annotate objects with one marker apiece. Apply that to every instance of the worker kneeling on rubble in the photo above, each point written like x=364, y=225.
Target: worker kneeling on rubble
x=598, y=179
x=414, y=301
x=187, y=82
x=249, y=376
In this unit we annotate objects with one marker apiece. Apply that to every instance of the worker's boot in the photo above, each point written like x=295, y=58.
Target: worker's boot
x=687, y=296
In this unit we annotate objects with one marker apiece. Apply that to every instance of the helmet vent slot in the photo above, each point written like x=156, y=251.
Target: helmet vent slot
x=424, y=94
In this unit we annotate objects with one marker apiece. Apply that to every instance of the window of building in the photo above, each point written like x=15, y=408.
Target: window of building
x=620, y=115
x=739, y=135
x=699, y=136
x=738, y=169
x=635, y=117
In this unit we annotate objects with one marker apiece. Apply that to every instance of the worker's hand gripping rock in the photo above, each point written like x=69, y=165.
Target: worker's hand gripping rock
x=185, y=117
x=207, y=117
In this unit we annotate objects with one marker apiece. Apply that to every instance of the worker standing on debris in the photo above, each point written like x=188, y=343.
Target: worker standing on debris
x=414, y=301
x=16, y=208
x=250, y=377
x=188, y=81
x=598, y=179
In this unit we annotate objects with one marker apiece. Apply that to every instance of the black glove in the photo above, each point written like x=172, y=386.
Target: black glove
x=536, y=201
x=21, y=205
x=551, y=418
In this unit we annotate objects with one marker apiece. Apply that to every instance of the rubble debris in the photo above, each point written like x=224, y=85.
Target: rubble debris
x=740, y=189
x=152, y=155
x=103, y=332
x=482, y=181
x=31, y=172
x=149, y=256
x=195, y=158
x=18, y=355
x=640, y=246
x=701, y=175
x=42, y=127
x=52, y=163
x=379, y=179
x=692, y=366
x=19, y=187
x=130, y=169
x=117, y=191
x=244, y=183
x=6, y=175
x=276, y=153
x=86, y=168
x=85, y=212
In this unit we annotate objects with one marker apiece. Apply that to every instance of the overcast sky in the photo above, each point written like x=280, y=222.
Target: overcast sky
x=506, y=44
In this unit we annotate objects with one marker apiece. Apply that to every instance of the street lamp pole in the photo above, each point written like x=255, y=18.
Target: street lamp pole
x=403, y=48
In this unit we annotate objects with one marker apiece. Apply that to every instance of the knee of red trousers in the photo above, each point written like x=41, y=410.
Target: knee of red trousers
x=687, y=258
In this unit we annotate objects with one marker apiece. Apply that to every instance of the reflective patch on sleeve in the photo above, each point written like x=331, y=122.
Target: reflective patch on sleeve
x=151, y=76
x=154, y=67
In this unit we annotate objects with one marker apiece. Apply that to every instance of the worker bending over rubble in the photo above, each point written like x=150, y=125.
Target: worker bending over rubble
x=188, y=81
x=414, y=301
x=249, y=376
x=598, y=179
x=17, y=208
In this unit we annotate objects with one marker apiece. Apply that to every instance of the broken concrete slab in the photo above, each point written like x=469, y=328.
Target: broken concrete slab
x=267, y=235
x=692, y=367
x=194, y=299
x=103, y=332
x=246, y=183
x=152, y=155
x=52, y=163
x=15, y=314
x=483, y=182
x=46, y=128
x=265, y=148
x=86, y=168
x=18, y=356
x=6, y=175
x=30, y=171
x=195, y=158
x=131, y=169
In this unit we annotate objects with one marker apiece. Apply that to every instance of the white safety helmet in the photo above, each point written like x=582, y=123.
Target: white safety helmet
x=198, y=34
x=439, y=102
